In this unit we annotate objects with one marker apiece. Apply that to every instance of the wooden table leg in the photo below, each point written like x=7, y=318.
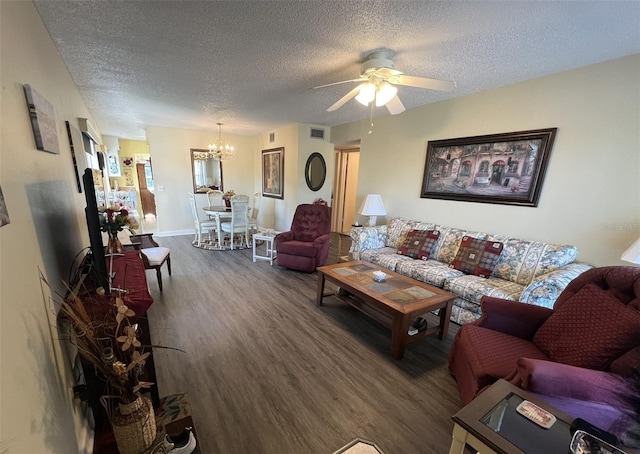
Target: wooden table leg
x=320, y=290
x=399, y=333
x=445, y=317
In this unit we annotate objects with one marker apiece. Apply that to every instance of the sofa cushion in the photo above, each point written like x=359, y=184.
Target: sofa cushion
x=473, y=288
x=419, y=244
x=449, y=242
x=385, y=257
x=398, y=228
x=589, y=330
x=477, y=257
x=522, y=261
x=428, y=271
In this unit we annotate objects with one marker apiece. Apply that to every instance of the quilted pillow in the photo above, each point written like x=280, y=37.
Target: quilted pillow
x=591, y=329
x=419, y=244
x=478, y=257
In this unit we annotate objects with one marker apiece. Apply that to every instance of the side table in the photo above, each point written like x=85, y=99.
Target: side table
x=491, y=424
x=268, y=239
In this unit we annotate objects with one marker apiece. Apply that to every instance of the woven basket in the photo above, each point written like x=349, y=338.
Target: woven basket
x=134, y=426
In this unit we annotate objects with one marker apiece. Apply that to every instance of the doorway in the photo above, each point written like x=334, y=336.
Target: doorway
x=344, y=189
x=145, y=183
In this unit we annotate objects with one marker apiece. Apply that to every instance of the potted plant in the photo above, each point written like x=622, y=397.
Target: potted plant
x=227, y=197
x=101, y=327
x=113, y=220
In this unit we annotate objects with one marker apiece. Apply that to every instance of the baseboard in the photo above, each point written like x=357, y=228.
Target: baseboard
x=174, y=233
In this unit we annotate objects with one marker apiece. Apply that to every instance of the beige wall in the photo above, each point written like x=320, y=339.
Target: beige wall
x=47, y=230
x=591, y=194
x=169, y=148
x=173, y=179
x=306, y=146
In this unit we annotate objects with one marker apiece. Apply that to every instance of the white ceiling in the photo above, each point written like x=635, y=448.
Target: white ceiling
x=251, y=64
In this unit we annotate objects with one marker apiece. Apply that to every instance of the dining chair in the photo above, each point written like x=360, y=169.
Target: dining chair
x=215, y=197
x=153, y=255
x=200, y=224
x=239, y=219
x=255, y=209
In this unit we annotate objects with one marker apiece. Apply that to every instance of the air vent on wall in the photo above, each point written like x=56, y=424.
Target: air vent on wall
x=317, y=133
x=272, y=137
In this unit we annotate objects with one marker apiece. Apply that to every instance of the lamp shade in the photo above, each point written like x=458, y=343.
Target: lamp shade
x=633, y=253
x=372, y=206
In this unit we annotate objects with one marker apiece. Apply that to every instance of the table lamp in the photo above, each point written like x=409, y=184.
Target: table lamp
x=633, y=253
x=372, y=206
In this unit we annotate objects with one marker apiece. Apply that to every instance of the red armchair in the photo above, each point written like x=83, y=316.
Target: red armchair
x=306, y=245
x=578, y=356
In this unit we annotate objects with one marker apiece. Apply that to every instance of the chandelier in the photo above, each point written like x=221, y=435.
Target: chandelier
x=220, y=149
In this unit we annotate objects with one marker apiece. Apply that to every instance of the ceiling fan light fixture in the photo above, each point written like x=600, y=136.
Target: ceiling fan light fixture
x=385, y=93
x=367, y=94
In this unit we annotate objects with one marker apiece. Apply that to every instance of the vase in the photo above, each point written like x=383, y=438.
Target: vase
x=114, y=246
x=227, y=202
x=134, y=426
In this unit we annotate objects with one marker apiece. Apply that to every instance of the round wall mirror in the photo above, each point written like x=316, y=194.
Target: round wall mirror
x=315, y=171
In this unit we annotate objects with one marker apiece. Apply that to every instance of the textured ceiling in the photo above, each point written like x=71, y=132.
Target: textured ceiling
x=251, y=64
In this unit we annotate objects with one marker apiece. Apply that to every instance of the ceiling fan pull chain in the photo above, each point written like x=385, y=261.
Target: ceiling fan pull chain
x=373, y=103
x=372, y=107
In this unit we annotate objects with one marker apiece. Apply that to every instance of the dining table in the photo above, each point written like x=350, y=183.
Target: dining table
x=219, y=213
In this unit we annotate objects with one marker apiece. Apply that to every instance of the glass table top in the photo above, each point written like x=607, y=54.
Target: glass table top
x=524, y=433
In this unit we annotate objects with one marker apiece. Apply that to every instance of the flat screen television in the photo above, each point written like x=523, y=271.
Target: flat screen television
x=98, y=263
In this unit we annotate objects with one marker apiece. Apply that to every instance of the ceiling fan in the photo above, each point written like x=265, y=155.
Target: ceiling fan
x=378, y=80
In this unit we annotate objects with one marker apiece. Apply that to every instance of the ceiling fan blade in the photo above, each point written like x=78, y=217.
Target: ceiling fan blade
x=395, y=106
x=344, y=99
x=423, y=82
x=338, y=83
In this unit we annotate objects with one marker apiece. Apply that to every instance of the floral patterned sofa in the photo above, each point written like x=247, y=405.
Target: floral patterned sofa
x=528, y=271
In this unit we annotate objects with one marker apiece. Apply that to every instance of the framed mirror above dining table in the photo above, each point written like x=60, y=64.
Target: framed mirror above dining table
x=206, y=171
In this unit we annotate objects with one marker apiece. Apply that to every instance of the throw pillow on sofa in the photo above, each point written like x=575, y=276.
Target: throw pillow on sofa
x=477, y=257
x=419, y=244
x=591, y=329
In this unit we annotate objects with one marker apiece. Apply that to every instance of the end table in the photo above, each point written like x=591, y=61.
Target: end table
x=491, y=424
x=268, y=238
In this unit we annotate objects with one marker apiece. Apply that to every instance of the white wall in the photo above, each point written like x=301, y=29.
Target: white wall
x=47, y=230
x=591, y=193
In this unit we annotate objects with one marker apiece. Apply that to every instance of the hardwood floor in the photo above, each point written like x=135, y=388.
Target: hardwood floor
x=267, y=371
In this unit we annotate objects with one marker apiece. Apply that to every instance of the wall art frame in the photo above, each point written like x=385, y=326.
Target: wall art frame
x=43, y=121
x=113, y=165
x=76, y=144
x=506, y=168
x=273, y=173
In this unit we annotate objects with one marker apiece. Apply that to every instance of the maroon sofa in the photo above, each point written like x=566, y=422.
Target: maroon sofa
x=306, y=245
x=582, y=357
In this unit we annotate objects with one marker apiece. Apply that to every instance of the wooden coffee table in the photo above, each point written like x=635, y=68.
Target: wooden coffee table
x=395, y=302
